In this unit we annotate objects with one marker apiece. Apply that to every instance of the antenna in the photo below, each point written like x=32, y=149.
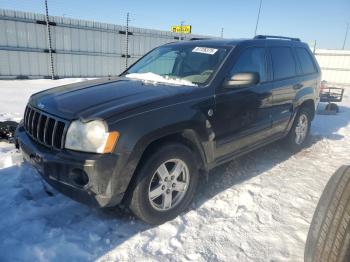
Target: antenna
x=257, y=20
x=222, y=32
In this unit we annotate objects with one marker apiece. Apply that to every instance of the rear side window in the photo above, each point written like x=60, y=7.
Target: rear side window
x=251, y=60
x=307, y=65
x=282, y=62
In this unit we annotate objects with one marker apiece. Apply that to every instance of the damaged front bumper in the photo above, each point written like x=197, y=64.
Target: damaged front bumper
x=84, y=177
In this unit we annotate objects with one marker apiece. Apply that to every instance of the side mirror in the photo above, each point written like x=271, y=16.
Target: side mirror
x=242, y=80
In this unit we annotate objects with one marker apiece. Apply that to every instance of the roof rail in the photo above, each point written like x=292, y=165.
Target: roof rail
x=200, y=38
x=276, y=37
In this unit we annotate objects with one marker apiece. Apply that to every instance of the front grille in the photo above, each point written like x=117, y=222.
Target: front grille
x=45, y=129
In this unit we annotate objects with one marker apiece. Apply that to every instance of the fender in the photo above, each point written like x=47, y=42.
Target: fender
x=186, y=121
x=307, y=93
x=122, y=182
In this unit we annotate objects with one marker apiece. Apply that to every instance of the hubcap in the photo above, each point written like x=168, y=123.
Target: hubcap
x=301, y=129
x=168, y=185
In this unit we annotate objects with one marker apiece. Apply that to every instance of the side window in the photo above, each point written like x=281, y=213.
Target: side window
x=307, y=65
x=164, y=65
x=251, y=60
x=283, y=63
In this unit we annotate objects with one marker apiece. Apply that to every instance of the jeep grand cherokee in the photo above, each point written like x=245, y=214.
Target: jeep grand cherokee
x=146, y=137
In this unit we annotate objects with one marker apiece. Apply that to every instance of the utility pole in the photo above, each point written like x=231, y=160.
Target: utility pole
x=315, y=43
x=257, y=20
x=127, y=40
x=346, y=34
x=181, y=28
x=49, y=41
x=222, y=32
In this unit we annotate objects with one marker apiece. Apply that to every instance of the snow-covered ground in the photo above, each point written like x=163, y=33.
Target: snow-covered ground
x=256, y=208
x=14, y=94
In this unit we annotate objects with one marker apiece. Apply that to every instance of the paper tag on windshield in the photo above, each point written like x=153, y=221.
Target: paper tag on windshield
x=204, y=50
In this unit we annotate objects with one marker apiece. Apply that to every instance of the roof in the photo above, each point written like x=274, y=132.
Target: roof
x=211, y=42
x=234, y=42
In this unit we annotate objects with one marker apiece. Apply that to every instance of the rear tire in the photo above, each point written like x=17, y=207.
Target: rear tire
x=163, y=191
x=329, y=234
x=299, y=133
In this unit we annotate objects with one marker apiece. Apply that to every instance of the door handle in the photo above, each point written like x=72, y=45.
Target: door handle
x=297, y=86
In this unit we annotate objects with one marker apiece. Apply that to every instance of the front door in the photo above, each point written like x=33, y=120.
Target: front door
x=243, y=115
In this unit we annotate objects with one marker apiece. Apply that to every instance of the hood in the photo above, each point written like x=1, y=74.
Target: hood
x=103, y=98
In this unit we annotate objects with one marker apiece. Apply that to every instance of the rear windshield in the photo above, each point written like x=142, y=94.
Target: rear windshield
x=192, y=65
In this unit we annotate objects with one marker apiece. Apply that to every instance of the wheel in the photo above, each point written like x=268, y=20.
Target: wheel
x=329, y=234
x=165, y=184
x=332, y=107
x=298, y=135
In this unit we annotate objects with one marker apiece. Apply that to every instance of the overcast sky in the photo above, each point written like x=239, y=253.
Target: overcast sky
x=320, y=20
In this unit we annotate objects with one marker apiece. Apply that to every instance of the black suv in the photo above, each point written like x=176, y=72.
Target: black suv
x=146, y=137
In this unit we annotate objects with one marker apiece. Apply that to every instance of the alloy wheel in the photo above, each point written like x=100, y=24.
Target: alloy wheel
x=301, y=129
x=169, y=185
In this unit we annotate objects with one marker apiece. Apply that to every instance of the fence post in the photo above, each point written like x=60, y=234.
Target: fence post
x=127, y=40
x=49, y=41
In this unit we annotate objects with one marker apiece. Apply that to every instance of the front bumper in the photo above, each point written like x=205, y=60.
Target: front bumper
x=84, y=177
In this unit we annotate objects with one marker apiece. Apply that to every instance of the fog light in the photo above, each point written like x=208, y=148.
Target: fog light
x=79, y=177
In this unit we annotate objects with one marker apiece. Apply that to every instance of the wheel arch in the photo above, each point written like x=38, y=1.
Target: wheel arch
x=310, y=104
x=187, y=137
x=306, y=97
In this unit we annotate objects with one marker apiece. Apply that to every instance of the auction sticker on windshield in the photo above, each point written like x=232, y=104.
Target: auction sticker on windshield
x=204, y=50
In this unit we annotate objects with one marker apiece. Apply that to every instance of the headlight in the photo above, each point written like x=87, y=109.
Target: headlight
x=90, y=137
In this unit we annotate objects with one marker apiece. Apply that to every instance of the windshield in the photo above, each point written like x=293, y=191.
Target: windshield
x=183, y=65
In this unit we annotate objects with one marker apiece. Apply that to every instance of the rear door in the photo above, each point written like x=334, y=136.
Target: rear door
x=309, y=73
x=286, y=83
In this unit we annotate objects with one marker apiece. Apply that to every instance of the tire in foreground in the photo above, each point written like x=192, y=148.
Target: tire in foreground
x=329, y=234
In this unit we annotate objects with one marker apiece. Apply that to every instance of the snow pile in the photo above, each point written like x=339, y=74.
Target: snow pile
x=154, y=78
x=7, y=155
x=256, y=208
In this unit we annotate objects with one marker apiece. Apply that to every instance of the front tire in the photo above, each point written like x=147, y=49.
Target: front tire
x=299, y=133
x=165, y=184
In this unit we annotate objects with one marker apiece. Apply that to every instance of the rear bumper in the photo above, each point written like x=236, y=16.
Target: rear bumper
x=84, y=177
